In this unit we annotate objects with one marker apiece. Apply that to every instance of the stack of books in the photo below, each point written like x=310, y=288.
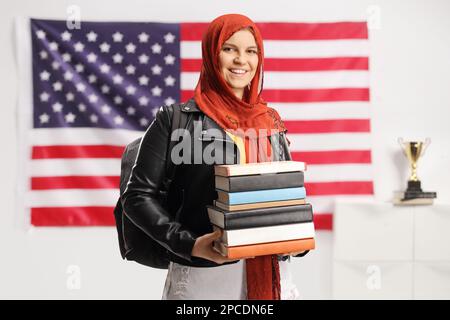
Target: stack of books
x=261, y=209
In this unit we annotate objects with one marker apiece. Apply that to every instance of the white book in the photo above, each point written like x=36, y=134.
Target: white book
x=227, y=170
x=240, y=237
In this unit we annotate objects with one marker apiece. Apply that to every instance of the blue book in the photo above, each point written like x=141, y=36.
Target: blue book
x=243, y=197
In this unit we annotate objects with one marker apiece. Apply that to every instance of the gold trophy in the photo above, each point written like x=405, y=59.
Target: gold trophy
x=413, y=150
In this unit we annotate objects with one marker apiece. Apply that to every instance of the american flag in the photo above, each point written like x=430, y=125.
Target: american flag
x=97, y=88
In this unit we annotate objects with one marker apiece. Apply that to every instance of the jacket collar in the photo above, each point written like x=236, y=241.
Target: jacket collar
x=190, y=106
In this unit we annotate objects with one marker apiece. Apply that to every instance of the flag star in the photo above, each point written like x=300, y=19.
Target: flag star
x=92, y=78
x=66, y=36
x=92, y=57
x=106, y=109
x=66, y=57
x=44, y=118
x=43, y=54
x=156, y=91
x=79, y=68
x=117, y=79
x=117, y=37
x=169, y=101
x=143, y=122
x=104, y=47
x=143, y=58
x=70, y=117
x=80, y=87
x=92, y=98
x=130, y=69
x=143, y=37
x=131, y=111
x=105, y=89
x=79, y=47
x=118, y=99
x=131, y=90
x=118, y=120
x=170, y=81
x=93, y=118
x=143, y=80
x=70, y=96
x=104, y=68
x=57, y=86
x=169, y=59
x=55, y=65
x=143, y=101
x=45, y=75
x=82, y=107
x=117, y=58
x=53, y=46
x=44, y=96
x=91, y=36
x=169, y=38
x=57, y=107
x=131, y=48
x=40, y=34
x=68, y=75
x=156, y=69
x=156, y=48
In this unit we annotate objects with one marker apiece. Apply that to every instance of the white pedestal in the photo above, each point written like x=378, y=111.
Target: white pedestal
x=383, y=251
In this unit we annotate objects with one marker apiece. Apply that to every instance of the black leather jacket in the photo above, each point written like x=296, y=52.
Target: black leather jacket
x=184, y=217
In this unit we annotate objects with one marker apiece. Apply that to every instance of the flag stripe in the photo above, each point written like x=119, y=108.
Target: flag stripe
x=306, y=95
x=72, y=216
x=75, y=167
x=292, y=64
x=289, y=31
x=340, y=187
x=326, y=126
x=75, y=182
x=295, y=49
x=73, y=197
x=323, y=221
x=298, y=80
x=63, y=152
x=332, y=157
x=323, y=110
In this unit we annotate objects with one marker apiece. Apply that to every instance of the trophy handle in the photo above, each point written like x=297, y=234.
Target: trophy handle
x=400, y=142
x=425, y=145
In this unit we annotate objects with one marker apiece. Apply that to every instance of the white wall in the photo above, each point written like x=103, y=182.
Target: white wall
x=410, y=93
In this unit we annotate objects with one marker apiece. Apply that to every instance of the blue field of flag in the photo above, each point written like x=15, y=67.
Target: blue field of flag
x=267, y=195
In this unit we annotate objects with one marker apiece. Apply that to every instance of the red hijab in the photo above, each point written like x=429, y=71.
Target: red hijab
x=216, y=99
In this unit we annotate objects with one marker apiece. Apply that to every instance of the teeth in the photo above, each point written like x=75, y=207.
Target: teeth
x=240, y=71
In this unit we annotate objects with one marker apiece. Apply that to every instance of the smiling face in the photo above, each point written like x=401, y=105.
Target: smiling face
x=239, y=60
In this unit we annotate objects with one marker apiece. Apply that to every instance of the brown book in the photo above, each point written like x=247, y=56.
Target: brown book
x=262, y=249
x=257, y=205
x=227, y=170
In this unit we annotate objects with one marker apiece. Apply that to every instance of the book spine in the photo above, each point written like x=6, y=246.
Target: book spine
x=266, y=181
x=266, y=195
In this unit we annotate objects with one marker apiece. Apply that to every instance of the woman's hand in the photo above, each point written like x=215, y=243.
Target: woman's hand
x=203, y=248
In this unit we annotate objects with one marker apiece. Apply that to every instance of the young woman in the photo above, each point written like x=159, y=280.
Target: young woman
x=227, y=99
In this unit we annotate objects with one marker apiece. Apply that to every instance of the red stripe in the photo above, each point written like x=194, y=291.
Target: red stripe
x=332, y=157
x=326, y=126
x=72, y=216
x=289, y=31
x=338, y=188
x=279, y=64
x=76, y=151
x=323, y=221
x=305, y=95
x=75, y=182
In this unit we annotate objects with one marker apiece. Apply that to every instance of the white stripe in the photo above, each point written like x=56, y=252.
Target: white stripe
x=298, y=80
x=81, y=167
x=73, y=198
x=294, y=49
x=330, y=141
x=323, y=110
x=83, y=136
x=325, y=204
x=338, y=172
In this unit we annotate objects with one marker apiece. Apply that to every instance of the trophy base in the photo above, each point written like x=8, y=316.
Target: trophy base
x=414, y=191
x=401, y=198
